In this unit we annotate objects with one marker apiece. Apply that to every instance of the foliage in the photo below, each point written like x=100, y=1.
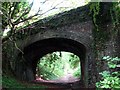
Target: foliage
x=11, y=83
x=110, y=79
x=112, y=62
x=105, y=15
x=101, y=14
x=115, y=12
x=95, y=9
x=115, y=17
x=52, y=66
x=74, y=61
x=14, y=13
x=77, y=73
x=48, y=65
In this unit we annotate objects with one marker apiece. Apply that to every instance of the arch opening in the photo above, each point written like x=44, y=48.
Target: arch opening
x=58, y=67
x=36, y=50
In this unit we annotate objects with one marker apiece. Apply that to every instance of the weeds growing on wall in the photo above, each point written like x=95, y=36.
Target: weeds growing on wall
x=101, y=15
x=105, y=15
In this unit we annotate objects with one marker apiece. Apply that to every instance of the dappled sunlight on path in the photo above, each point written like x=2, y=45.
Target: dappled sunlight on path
x=69, y=78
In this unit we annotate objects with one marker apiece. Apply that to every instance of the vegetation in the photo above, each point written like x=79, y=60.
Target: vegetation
x=101, y=15
x=52, y=66
x=11, y=83
x=15, y=14
x=110, y=79
x=15, y=17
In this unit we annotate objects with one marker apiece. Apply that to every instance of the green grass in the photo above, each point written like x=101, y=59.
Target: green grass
x=12, y=84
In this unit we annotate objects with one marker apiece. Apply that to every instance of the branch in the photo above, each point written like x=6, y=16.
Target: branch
x=23, y=14
x=25, y=19
x=16, y=46
x=15, y=7
x=44, y=1
x=53, y=69
x=10, y=9
x=21, y=20
x=26, y=11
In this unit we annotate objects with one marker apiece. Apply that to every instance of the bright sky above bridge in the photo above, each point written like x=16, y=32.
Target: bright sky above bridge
x=51, y=7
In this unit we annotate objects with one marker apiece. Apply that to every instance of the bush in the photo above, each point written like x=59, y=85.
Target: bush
x=110, y=80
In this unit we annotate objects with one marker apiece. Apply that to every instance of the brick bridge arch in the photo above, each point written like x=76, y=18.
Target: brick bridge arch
x=74, y=36
x=50, y=41
x=73, y=33
x=69, y=31
x=40, y=48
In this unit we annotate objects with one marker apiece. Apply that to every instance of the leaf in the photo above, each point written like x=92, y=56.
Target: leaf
x=112, y=65
x=105, y=73
x=106, y=57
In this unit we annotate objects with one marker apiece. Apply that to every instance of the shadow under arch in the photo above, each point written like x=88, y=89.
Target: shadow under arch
x=37, y=50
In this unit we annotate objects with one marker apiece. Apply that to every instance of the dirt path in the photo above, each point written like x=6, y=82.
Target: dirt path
x=69, y=78
x=63, y=83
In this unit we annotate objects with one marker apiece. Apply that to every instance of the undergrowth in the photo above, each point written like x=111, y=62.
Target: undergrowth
x=10, y=83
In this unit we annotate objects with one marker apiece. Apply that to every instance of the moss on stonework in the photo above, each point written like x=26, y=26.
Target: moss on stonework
x=103, y=15
x=74, y=16
x=80, y=14
x=106, y=28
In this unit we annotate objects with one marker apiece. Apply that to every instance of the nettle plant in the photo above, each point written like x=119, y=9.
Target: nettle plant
x=110, y=79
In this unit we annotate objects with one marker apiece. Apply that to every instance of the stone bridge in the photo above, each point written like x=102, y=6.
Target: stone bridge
x=70, y=31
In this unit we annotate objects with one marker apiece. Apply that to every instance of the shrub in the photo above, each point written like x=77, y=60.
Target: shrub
x=110, y=80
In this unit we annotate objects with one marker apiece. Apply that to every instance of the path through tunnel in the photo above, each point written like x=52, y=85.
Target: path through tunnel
x=35, y=51
x=58, y=67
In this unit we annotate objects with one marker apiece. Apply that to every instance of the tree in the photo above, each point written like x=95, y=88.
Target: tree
x=14, y=13
x=15, y=16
